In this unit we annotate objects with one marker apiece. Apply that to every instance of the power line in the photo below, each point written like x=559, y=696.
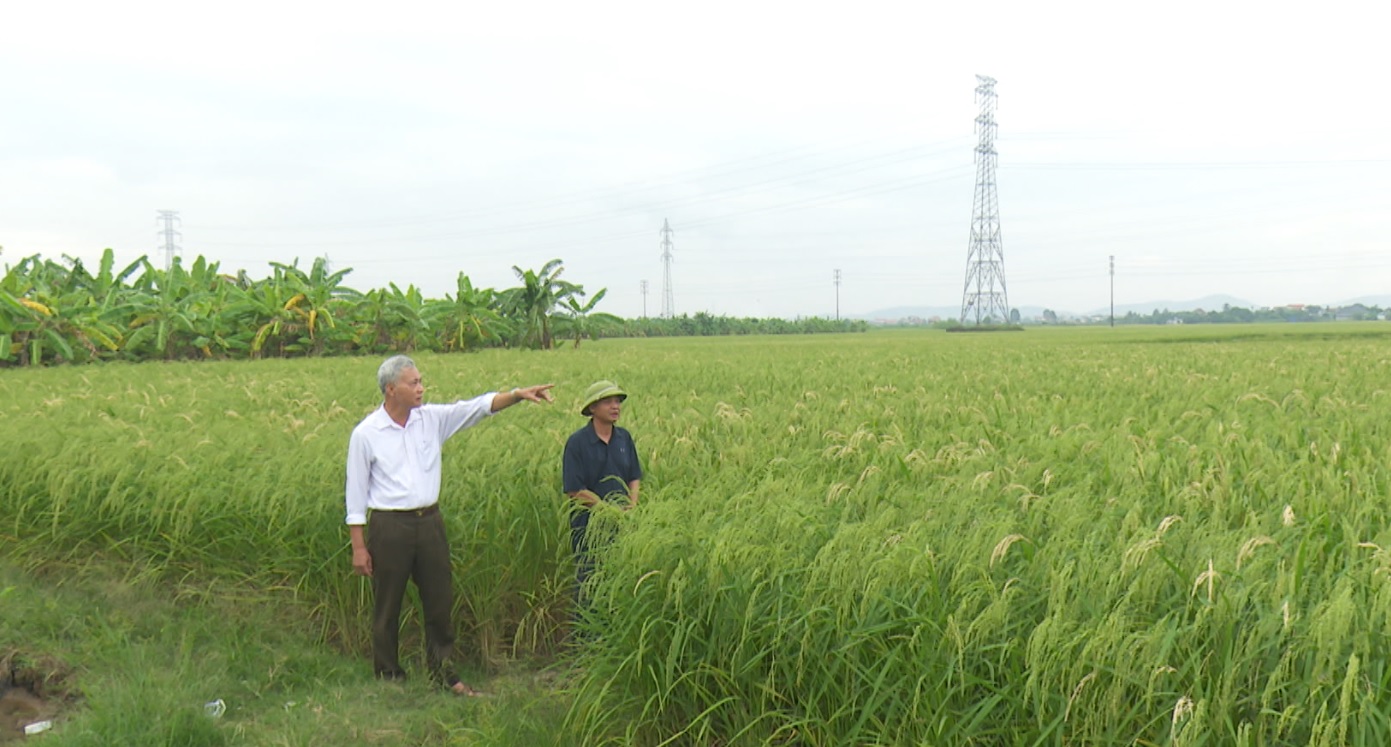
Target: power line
x=817, y=201
x=1179, y=166
x=587, y=196
x=644, y=208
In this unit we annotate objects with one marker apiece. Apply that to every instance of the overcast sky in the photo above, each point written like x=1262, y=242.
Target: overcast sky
x=1240, y=148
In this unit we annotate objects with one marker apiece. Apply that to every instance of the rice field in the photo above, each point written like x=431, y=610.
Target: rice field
x=1167, y=536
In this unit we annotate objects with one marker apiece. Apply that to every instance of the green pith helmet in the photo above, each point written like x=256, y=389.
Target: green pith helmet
x=600, y=390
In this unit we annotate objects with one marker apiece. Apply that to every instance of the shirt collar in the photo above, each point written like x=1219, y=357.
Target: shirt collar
x=382, y=421
x=594, y=434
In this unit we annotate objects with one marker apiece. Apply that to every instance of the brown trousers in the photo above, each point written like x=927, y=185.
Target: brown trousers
x=406, y=546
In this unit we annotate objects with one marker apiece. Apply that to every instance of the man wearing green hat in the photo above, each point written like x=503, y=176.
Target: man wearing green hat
x=600, y=466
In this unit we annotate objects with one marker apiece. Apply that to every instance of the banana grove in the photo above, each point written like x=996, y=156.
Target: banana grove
x=64, y=312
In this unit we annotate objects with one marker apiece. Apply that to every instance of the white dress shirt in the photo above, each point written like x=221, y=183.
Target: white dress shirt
x=396, y=468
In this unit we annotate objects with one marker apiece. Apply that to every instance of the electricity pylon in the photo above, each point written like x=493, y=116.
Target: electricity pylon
x=984, y=298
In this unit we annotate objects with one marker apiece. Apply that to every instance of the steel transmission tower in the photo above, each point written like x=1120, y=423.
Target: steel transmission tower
x=1113, y=290
x=837, y=281
x=644, y=299
x=668, y=305
x=984, y=298
x=171, y=250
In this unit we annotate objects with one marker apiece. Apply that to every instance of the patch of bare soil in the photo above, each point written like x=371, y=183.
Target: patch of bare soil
x=32, y=690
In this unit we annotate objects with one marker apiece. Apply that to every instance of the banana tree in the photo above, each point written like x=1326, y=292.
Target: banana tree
x=319, y=296
x=166, y=317
x=107, y=287
x=467, y=317
x=49, y=312
x=266, y=306
x=580, y=321
x=20, y=315
x=532, y=304
x=33, y=328
x=392, y=320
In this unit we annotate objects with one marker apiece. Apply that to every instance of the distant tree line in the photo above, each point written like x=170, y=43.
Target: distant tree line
x=1236, y=315
x=65, y=312
x=708, y=325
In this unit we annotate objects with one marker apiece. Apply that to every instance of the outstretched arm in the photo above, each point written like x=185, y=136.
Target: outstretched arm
x=537, y=393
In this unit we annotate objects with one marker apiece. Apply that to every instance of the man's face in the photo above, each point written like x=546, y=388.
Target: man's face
x=607, y=409
x=408, y=391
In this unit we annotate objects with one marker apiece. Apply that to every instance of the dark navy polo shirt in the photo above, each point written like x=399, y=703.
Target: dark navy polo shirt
x=603, y=468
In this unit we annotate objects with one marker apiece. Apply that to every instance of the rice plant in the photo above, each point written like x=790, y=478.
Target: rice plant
x=1148, y=536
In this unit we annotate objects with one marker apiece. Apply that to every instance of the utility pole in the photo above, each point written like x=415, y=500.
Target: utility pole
x=644, y=299
x=837, y=276
x=1113, y=290
x=170, y=248
x=984, y=295
x=668, y=305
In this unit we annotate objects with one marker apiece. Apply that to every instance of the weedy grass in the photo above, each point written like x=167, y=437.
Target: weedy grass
x=1059, y=537
x=142, y=664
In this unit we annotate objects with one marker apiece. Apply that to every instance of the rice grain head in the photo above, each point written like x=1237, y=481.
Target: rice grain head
x=1250, y=547
x=1002, y=547
x=1168, y=521
x=1182, y=708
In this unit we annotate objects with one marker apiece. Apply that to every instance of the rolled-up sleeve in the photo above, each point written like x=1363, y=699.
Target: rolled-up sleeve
x=452, y=418
x=359, y=474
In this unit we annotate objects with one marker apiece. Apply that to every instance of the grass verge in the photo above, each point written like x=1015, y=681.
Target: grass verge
x=128, y=662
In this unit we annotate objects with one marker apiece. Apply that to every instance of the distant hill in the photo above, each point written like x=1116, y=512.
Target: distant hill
x=904, y=312
x=1378, y=301
x=1206, y=303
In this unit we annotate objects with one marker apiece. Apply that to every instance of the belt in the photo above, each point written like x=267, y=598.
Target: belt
x=429, y=510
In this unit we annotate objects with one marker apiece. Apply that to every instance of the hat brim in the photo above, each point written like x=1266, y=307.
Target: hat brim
x=619, y=393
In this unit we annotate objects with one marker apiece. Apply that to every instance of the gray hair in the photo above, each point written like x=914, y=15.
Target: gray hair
x=390, y=370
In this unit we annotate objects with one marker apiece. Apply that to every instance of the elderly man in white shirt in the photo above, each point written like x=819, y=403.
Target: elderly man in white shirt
x=393, y=487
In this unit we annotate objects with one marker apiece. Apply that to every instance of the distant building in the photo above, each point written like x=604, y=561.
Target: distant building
x=1356, y=311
